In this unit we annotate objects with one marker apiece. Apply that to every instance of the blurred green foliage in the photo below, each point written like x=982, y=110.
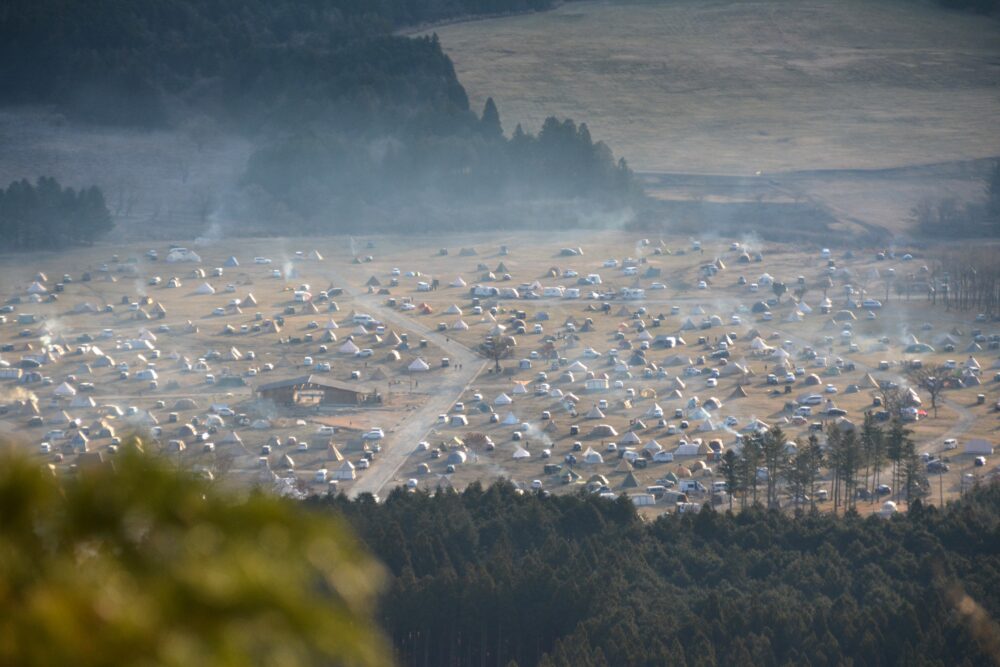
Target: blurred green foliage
x=142, y=565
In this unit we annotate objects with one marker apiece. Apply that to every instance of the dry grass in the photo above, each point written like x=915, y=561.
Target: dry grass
x=736, y=87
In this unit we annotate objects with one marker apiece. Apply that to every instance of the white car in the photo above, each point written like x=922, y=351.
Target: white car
x=871, y=303
x=570, y=273
x=408, y=306
x=702, y=284
x=812, y=399
x=951, y=443
x=830, y=389
x=657, y=286
x=395, y=271
x=610, y=263
x=374, y=434
x=261, y=260
x=365, y=353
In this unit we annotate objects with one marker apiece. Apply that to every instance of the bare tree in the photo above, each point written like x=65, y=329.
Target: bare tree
x=497, y=348
x=932, y=379
x=893, y=398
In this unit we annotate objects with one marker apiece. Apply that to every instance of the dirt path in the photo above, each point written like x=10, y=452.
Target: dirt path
x=414, y=427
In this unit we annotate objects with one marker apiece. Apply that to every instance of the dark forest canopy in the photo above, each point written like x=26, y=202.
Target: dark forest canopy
x=45, y=215
x=346, y=115
x=489, y=576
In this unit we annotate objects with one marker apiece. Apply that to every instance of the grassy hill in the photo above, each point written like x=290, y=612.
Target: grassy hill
x=736, y=87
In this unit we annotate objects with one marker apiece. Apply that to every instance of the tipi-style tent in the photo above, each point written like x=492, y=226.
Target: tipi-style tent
x=418, y=365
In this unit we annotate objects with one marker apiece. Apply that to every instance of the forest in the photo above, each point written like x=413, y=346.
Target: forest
x=44, y=215
x=494, y=576
x=950, y=219
x=346, y=115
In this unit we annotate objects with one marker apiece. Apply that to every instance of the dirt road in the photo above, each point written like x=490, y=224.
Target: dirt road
x=414, y=427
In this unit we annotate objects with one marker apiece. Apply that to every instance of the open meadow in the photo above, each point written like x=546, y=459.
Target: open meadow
x=850, y=93
x=639, y=381
x=736, y=87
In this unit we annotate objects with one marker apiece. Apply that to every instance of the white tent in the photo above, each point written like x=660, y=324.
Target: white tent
x=315, y=256
x=590, y=456
x=521, y=453
x=331, y=324
x=687, y=449
x=520, y=388
x=419, y=365
x=979, y=447
x=345, y=471
x=577, y=367
x=36, y=288
x=460, y=325
x=629, y=438
x=349, y=348
x=510, y=419
x=182, y=255
x=503, y=399
x=204, y=289
x=458, y=282
x=65, y=390
x=82, y=401
x=453, y=309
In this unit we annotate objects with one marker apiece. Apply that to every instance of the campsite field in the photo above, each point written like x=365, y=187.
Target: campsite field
x=420, y=407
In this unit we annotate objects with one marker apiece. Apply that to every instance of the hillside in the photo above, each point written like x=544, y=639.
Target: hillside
x=306, y=116
x=736, y=87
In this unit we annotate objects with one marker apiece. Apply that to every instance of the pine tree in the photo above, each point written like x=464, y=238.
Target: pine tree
x=490, y=120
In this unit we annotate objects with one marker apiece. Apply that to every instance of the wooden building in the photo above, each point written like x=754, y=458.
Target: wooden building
x=317, y=390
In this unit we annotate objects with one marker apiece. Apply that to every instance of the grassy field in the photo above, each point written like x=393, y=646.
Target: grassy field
x=737, y=87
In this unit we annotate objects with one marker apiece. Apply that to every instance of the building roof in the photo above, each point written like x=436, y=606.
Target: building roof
x=318, y=380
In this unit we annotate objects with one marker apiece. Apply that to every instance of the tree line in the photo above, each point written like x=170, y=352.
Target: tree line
x=45, y=215
x=768, y=466
x=494, y=576
x=966, y=277
x=949, y=218
x=349, y=119
x=329, y=181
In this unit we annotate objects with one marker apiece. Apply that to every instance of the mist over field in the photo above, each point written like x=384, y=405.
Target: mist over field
x=527, y=333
